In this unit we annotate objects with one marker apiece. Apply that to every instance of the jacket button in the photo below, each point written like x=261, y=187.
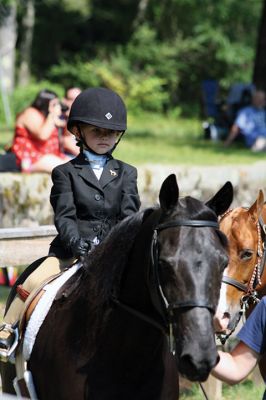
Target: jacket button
x=97, y=197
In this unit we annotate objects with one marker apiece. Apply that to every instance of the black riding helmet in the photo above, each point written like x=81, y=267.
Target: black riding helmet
x=99, y=107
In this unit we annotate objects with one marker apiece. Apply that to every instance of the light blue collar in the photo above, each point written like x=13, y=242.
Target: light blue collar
x=95, y=160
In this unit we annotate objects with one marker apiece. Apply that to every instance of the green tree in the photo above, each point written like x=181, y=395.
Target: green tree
x=27, y=27
x=171, y=44
x=8, y=37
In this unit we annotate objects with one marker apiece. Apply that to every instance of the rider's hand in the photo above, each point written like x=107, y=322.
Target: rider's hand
x=80, y=246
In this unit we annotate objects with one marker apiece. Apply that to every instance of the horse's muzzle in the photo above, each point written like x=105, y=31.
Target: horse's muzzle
x=197, y=370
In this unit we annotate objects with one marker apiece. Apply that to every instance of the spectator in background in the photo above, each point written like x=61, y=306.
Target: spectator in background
x=70, y=96
x=36, y=141
x=68, y=140
x=251, y=124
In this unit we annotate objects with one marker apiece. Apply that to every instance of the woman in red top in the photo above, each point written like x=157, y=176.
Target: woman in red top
x=36, y=143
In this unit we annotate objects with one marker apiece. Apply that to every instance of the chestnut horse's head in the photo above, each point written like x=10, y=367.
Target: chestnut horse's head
x=244, y=228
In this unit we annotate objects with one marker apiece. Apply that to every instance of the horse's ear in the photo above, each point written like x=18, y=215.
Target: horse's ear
x=221, y=201
x=256, y=208
x=169, y=193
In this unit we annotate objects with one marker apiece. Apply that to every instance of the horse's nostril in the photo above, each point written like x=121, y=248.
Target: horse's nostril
x=217, y=359
x=186, y=361
x=195, y=370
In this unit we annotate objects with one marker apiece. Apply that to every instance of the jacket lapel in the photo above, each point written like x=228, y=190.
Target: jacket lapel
x=110, y=172
x=85, y=171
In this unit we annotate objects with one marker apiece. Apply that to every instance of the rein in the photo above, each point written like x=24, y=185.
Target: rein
x=166, y=309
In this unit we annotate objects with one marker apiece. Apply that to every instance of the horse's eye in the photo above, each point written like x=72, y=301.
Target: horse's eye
x=246, y=254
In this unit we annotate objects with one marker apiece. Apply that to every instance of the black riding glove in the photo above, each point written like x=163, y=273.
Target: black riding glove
x=80, y=246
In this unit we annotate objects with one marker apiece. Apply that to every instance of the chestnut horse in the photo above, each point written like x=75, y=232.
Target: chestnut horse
x=244, y=280
x=155, y=279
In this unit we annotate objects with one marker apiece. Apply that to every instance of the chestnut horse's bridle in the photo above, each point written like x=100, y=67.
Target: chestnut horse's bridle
x=161, y=304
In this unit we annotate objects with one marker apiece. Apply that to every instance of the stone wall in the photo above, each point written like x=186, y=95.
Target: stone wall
x=24, y=198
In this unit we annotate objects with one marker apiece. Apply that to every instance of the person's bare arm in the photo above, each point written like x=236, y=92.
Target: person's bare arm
x=40, y=127
x=234, y=132
x=233, y=367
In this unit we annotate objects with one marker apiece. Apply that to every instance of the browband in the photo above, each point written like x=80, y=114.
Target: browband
x=193, y=222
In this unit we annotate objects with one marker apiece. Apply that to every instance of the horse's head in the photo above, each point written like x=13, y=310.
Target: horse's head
x=191, y=254
x=245, y=233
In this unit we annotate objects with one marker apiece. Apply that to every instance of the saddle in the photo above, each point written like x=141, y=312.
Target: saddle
x=23, y=383
x=31, y=300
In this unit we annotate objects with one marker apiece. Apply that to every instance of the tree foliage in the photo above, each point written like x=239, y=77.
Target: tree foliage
x=155, y=53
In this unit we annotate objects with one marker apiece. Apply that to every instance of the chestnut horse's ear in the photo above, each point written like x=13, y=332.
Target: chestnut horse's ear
x=222, y=199
x=256, y=209
x=169, y=193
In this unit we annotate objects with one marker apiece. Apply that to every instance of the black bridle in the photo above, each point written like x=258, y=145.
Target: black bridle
x=161, y=304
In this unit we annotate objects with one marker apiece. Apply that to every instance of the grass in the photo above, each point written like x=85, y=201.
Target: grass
x=5, y=137
x=243, y=391
x=157, y=139
x=153, y=138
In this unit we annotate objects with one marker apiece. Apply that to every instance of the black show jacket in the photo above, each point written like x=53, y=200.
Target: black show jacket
x=87, y=207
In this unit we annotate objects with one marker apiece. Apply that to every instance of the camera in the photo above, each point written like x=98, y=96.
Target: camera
x=64, y=107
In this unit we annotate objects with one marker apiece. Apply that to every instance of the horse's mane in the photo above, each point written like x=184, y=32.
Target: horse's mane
x=99, y=278
x=104, y=266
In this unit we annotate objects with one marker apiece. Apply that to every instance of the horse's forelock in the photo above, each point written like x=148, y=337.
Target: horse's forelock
x=195, y=209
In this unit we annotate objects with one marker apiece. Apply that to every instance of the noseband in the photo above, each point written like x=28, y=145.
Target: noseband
x=161, y=304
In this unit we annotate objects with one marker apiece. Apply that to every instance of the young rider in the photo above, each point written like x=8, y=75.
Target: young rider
x=90, y=193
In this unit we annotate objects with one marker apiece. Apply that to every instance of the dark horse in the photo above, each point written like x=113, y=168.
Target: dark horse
x=154, y=280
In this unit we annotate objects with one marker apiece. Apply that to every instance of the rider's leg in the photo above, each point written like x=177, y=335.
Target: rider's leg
x=51, y=266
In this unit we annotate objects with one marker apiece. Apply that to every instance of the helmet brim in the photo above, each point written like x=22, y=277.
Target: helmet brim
x=100, y=124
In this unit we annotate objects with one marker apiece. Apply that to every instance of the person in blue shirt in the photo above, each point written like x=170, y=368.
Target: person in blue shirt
x=235, y=366
x=251, y=124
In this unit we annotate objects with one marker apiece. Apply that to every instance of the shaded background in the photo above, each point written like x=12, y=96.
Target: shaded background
x=155, y=54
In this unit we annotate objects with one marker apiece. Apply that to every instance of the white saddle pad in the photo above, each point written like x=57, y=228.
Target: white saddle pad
x=42, y=308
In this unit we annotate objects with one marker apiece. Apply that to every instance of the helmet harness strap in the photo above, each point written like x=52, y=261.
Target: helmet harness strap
x=81, y=142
